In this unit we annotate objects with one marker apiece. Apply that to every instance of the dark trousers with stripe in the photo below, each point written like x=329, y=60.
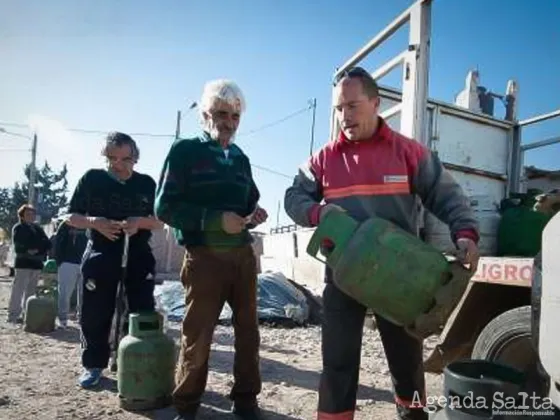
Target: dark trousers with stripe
x=101, y=276
x=341, y=350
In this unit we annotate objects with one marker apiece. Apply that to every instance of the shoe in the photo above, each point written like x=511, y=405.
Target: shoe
x=62, y=324
x=251, y=412
x=186, y=416
x=90, y=377
x=15, y=320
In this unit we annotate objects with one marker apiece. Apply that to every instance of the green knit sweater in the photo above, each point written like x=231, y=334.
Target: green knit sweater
x=200, y=181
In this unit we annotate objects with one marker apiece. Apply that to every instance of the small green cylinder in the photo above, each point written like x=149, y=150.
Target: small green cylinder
x=145, y=364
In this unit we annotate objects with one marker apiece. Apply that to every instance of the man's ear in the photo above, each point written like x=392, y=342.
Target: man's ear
x=376, y=102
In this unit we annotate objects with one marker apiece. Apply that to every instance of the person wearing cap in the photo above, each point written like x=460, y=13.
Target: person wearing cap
x=111, y=203
x=207, y=194
x=372, y=170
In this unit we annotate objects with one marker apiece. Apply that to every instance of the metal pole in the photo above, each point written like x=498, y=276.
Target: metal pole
x=539, y=118
x=542, y=143
x=278, y=215
x=314, y=106
x=168, y=232
x=178, y=126
x=389, y=30
x=33, y=171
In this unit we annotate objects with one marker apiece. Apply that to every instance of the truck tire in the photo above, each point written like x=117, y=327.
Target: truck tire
x=507, y=339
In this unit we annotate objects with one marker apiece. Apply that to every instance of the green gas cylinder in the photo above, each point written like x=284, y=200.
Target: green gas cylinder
x=384, y=267
x=145, y=364
x=40, y=312
x=50, y=267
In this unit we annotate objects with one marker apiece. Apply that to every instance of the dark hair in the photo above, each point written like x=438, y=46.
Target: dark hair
x=368, y=82
x=118, y=139
x=21, y=211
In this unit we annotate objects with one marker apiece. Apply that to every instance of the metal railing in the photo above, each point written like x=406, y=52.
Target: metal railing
x=415, y=62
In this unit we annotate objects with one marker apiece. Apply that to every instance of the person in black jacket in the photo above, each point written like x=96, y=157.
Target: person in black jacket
x=111, y=203
x=69, y=246
x=31, y=245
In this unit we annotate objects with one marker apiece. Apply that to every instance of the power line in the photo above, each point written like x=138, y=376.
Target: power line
x=88, y=131
x=13, y=149
x=272, y=171
x=144, y=134
x=248, y=133
x=273, y=123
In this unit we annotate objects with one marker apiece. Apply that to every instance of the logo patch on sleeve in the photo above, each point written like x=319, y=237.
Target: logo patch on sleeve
x=395, y=179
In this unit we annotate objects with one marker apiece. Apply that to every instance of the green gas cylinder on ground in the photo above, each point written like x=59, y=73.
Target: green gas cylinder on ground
x=145, y=364
x=40, y=312
x=386, y=269
x=50, y=267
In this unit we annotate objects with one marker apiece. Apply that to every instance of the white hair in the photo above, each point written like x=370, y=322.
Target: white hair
x=222, y=90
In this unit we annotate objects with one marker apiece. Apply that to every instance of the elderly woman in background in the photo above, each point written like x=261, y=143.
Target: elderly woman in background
x=31, y=245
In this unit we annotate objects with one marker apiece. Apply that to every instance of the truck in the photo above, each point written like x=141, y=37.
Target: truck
x=485, y=154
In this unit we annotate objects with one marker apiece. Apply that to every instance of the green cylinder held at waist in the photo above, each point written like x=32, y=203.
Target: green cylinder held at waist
x=380, y=265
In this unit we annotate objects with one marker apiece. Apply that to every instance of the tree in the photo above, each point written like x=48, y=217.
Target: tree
x=6, y=210
x=50, y=197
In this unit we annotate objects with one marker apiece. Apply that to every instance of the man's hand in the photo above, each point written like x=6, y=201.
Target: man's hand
x=232, y=223
x=131, y=226
x=258, y=217
x=328, y=208
x=468, y=253
x=108, y=228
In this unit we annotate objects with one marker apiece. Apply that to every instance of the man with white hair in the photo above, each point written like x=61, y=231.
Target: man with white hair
x=207, y=194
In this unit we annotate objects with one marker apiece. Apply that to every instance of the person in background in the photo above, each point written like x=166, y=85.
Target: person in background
x=207, y=194
x=372, y=170
x=31, y=245
x=110, y=203
x=69, y=246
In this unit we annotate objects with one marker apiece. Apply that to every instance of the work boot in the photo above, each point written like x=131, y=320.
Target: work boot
x=247, y=412
x=404, y=413
x=186, y=416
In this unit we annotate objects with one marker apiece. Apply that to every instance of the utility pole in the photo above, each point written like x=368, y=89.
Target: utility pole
x=314, y=106
x=179, y=118
x=178, y=126
x=33, y=170
x=278, y=215
x=169, y=237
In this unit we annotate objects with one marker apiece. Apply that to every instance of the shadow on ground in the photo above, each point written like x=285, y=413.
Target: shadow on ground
x=106, y=384
x=277, y=372
x=214, y=406
x=68, y=335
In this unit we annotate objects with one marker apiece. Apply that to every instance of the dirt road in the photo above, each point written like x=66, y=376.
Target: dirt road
x=38, y=376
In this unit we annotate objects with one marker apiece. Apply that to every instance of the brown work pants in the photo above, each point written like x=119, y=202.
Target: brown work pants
x=212, y=277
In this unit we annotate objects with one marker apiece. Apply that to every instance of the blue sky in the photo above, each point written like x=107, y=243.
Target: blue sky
x=129, y=65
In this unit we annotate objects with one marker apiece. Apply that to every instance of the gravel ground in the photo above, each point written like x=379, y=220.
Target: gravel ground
x=38, y=376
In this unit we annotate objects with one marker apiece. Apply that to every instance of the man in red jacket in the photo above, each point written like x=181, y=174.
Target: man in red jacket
x=372, y=170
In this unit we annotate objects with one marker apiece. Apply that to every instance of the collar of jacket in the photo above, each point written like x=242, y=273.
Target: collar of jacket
x=232, y=147
x=383, y=132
